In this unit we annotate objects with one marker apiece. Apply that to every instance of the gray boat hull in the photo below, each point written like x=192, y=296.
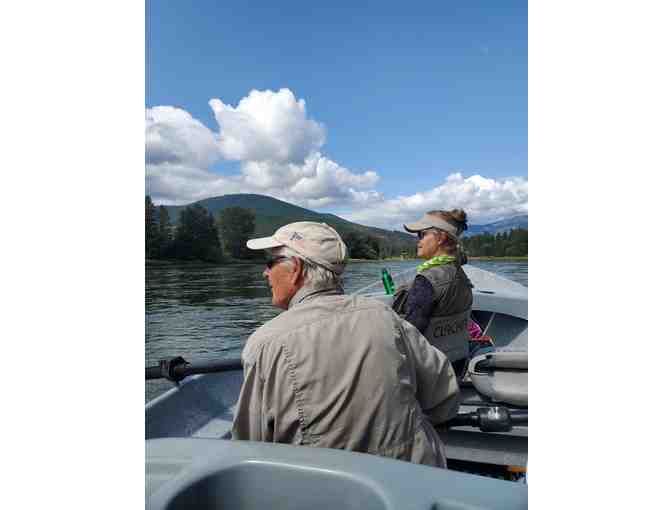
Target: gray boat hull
x=209, y=474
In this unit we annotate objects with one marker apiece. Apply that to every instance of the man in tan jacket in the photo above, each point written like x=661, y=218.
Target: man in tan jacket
x=339, y=371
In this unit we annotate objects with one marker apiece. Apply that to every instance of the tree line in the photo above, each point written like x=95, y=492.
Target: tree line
x=505, y=244
x=198, y=235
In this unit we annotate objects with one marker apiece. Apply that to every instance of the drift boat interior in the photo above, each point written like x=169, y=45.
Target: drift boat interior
x=189, y=461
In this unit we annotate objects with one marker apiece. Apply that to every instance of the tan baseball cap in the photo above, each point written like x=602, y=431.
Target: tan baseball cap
x=431, y=221
x=317, y=242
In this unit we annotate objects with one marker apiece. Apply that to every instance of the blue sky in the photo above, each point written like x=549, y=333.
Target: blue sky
x=375, y=112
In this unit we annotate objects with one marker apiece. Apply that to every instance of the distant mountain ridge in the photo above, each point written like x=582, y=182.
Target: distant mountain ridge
x=271, y=214
x=497, y=227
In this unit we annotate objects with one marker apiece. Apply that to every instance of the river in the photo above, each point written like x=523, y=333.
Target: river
x=206, y=312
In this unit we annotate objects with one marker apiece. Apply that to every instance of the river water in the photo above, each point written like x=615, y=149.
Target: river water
x=204, y=312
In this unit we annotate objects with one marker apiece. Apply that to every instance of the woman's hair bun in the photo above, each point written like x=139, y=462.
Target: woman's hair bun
x=460, y=217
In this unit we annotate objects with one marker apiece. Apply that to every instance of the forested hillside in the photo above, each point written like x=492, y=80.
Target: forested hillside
x=216, y=230
x=506, y=244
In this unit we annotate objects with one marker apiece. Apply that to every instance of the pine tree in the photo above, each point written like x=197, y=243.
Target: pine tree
x=164, y=233
x=508, y=244
x=196, y=237
x=361, y=246
x=236, y=226
x=151, y=229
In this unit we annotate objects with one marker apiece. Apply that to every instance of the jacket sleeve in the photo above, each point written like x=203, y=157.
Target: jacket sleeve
x=420, y=303
x=248, y=423
x=437, y=390
x=267, y=408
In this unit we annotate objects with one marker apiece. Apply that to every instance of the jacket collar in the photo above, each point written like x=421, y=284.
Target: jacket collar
x=309, y=292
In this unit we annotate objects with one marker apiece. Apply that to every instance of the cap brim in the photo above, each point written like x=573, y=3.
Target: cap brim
x=263, y=243
x=416, y=227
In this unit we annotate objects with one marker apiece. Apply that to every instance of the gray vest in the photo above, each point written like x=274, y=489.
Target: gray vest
x=447, y=329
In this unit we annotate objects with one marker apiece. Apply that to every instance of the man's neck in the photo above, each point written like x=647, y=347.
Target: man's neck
x=309, y=291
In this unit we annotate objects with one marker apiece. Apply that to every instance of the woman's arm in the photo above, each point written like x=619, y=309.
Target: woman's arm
x=420, y=304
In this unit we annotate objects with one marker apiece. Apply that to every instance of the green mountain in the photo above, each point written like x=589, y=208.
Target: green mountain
x=271, y=214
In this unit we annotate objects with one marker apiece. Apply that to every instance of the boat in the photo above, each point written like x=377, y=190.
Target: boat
x=188, y=458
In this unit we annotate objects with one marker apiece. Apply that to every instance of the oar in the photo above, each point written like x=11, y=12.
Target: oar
x=178, y=368
x=490, y=419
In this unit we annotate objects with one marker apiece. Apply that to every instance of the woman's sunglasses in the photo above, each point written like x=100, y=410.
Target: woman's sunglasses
x=423, y=233
x=272, y=261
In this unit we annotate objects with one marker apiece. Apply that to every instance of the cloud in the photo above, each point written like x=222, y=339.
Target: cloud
x=267, y=126
x=279, y=153
x=484, y=199
x=316, y=178
x=271, y=136
x=318, y=182
x=177, y=184
x=173, y=136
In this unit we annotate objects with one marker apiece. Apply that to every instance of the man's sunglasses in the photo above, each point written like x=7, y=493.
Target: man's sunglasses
x=423, y=233
x=272, y=261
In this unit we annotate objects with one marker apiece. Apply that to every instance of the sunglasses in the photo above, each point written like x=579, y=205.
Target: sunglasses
x=272, y=261
x=423, y=233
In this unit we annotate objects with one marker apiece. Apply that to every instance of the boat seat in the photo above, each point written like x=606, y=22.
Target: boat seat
x=210, y=474
x=501, y=375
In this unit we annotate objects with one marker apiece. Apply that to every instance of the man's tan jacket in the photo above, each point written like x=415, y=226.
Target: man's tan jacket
x=345, y=372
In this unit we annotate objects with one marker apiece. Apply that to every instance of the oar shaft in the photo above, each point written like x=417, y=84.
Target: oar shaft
x=207, y=367
x=490, y=419
x=518, y=417
x=181, y=369
x=153, y=373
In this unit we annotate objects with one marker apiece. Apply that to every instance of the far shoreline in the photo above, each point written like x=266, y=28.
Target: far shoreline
x=400, y=259
x=239, y=262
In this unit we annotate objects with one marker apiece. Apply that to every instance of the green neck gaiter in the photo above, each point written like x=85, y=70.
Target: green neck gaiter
x=439, y=260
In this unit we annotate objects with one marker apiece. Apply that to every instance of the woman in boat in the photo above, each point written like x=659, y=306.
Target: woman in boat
x=438, y=302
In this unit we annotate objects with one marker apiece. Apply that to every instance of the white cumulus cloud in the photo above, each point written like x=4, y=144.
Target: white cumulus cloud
x=267, y=126
x=269, y=133
x=485, y=200
x=173, y=136
x=278, y=150
x=317, y=182
x=177, y=184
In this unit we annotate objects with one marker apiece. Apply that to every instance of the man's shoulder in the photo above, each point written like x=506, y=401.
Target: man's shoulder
x=269, y=331
x=361, y=309
x=326, y=308
x=329, y=308
x=363, y=302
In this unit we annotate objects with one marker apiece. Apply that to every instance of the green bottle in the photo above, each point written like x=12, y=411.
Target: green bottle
x=387, y=282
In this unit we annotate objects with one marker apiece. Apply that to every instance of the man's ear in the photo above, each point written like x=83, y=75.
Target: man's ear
x=296, y=277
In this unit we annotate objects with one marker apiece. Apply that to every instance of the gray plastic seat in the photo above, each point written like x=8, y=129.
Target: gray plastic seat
x=182, y=474
x=501, y=375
